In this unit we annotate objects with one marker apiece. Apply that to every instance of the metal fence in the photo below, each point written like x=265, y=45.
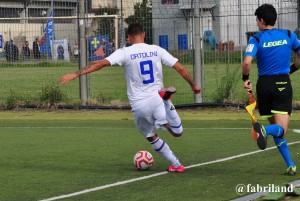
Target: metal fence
x=44, y=39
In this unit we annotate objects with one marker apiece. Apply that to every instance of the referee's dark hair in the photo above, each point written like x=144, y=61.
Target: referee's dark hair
x=268, y=13
x=135, y=29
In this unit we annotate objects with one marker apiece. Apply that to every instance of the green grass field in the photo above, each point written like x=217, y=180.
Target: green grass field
x=108, y=86
x=47, y=154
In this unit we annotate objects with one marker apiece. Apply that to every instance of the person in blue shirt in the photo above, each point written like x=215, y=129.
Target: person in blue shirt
x=209, y=40
x=272, y=48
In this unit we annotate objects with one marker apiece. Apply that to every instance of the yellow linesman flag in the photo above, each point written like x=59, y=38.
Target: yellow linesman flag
x=250, y=109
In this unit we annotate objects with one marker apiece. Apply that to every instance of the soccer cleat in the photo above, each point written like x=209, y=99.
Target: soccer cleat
x=178, y=169
x=254, y=134
x=166, y=93
x=261, y=135
x=291, y=171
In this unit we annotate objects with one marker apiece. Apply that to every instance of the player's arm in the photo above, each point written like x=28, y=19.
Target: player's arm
x=187, y=76
x=296, y=48
x=295, y=66
x=246, y=71
x=97, y=65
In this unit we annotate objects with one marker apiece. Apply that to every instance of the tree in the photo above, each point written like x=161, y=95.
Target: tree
x=143, y=15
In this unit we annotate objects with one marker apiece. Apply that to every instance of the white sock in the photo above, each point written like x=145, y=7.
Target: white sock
x=163, y=149
x=173, y=117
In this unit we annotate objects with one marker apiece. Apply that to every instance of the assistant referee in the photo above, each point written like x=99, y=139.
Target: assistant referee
x=272, y=48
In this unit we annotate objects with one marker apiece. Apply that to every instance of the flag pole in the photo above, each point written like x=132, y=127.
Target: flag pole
x=53, y=36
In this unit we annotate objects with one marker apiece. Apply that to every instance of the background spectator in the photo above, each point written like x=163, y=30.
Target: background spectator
x=210, y=41
x=36, y=49
x=7, y=51
x=75, y=50
x=14, y=51
x=26, y=51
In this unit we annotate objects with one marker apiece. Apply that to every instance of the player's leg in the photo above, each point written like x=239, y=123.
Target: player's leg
x=279, y=121
x=279, y=127
x=162, y=148
x=282, y=111
x=277, y=131
x=147, y=124
x=283, y=148
x=174, y=125
x=282, y=121
x=264, y=108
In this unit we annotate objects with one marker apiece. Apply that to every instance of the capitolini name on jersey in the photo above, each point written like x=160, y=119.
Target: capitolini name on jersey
x=143, y=55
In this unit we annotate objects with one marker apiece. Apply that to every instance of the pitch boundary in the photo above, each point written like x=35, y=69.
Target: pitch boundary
x=119, y=128
x=105, y=128
x=159, y=174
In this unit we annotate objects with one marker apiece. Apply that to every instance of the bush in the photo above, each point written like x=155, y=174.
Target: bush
x=11, y=100
x=14, y=99
x=52, y=93
x=226, y=86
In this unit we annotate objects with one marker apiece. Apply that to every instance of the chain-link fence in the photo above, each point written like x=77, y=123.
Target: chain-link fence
x=42, y=40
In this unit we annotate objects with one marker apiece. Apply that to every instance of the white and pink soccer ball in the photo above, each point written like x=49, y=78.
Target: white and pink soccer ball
x=143, y=160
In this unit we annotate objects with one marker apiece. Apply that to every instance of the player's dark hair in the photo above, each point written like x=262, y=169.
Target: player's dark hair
x=268, y=13
x=135, y=29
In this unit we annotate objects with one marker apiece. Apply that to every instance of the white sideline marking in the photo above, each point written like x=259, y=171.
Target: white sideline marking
x=111, y=128
x=158, y=174
x=108, y=128
x=296, y=130
x=105, y=186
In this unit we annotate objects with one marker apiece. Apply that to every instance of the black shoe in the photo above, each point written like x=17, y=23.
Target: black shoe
x=261, y=135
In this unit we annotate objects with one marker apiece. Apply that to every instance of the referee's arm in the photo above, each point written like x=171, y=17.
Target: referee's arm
x=247, y=65
x=245, y=71
x=295, y=66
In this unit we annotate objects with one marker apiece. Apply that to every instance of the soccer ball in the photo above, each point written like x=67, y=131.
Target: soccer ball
x=143, y=160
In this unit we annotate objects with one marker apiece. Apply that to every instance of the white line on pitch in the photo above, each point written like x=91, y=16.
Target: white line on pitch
x=118, y=128
x=110, y=128
x=157, y=174
x=296, y=130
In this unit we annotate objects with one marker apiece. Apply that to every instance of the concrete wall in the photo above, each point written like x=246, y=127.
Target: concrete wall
x=230, y=21
x=128, y=5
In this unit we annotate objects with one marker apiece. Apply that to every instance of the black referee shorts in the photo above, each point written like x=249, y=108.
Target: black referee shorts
x=274, y=95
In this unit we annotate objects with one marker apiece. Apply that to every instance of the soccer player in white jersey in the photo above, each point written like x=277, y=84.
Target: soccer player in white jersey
x=149, y=100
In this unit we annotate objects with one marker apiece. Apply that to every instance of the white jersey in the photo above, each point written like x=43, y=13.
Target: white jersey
x=143, y=68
